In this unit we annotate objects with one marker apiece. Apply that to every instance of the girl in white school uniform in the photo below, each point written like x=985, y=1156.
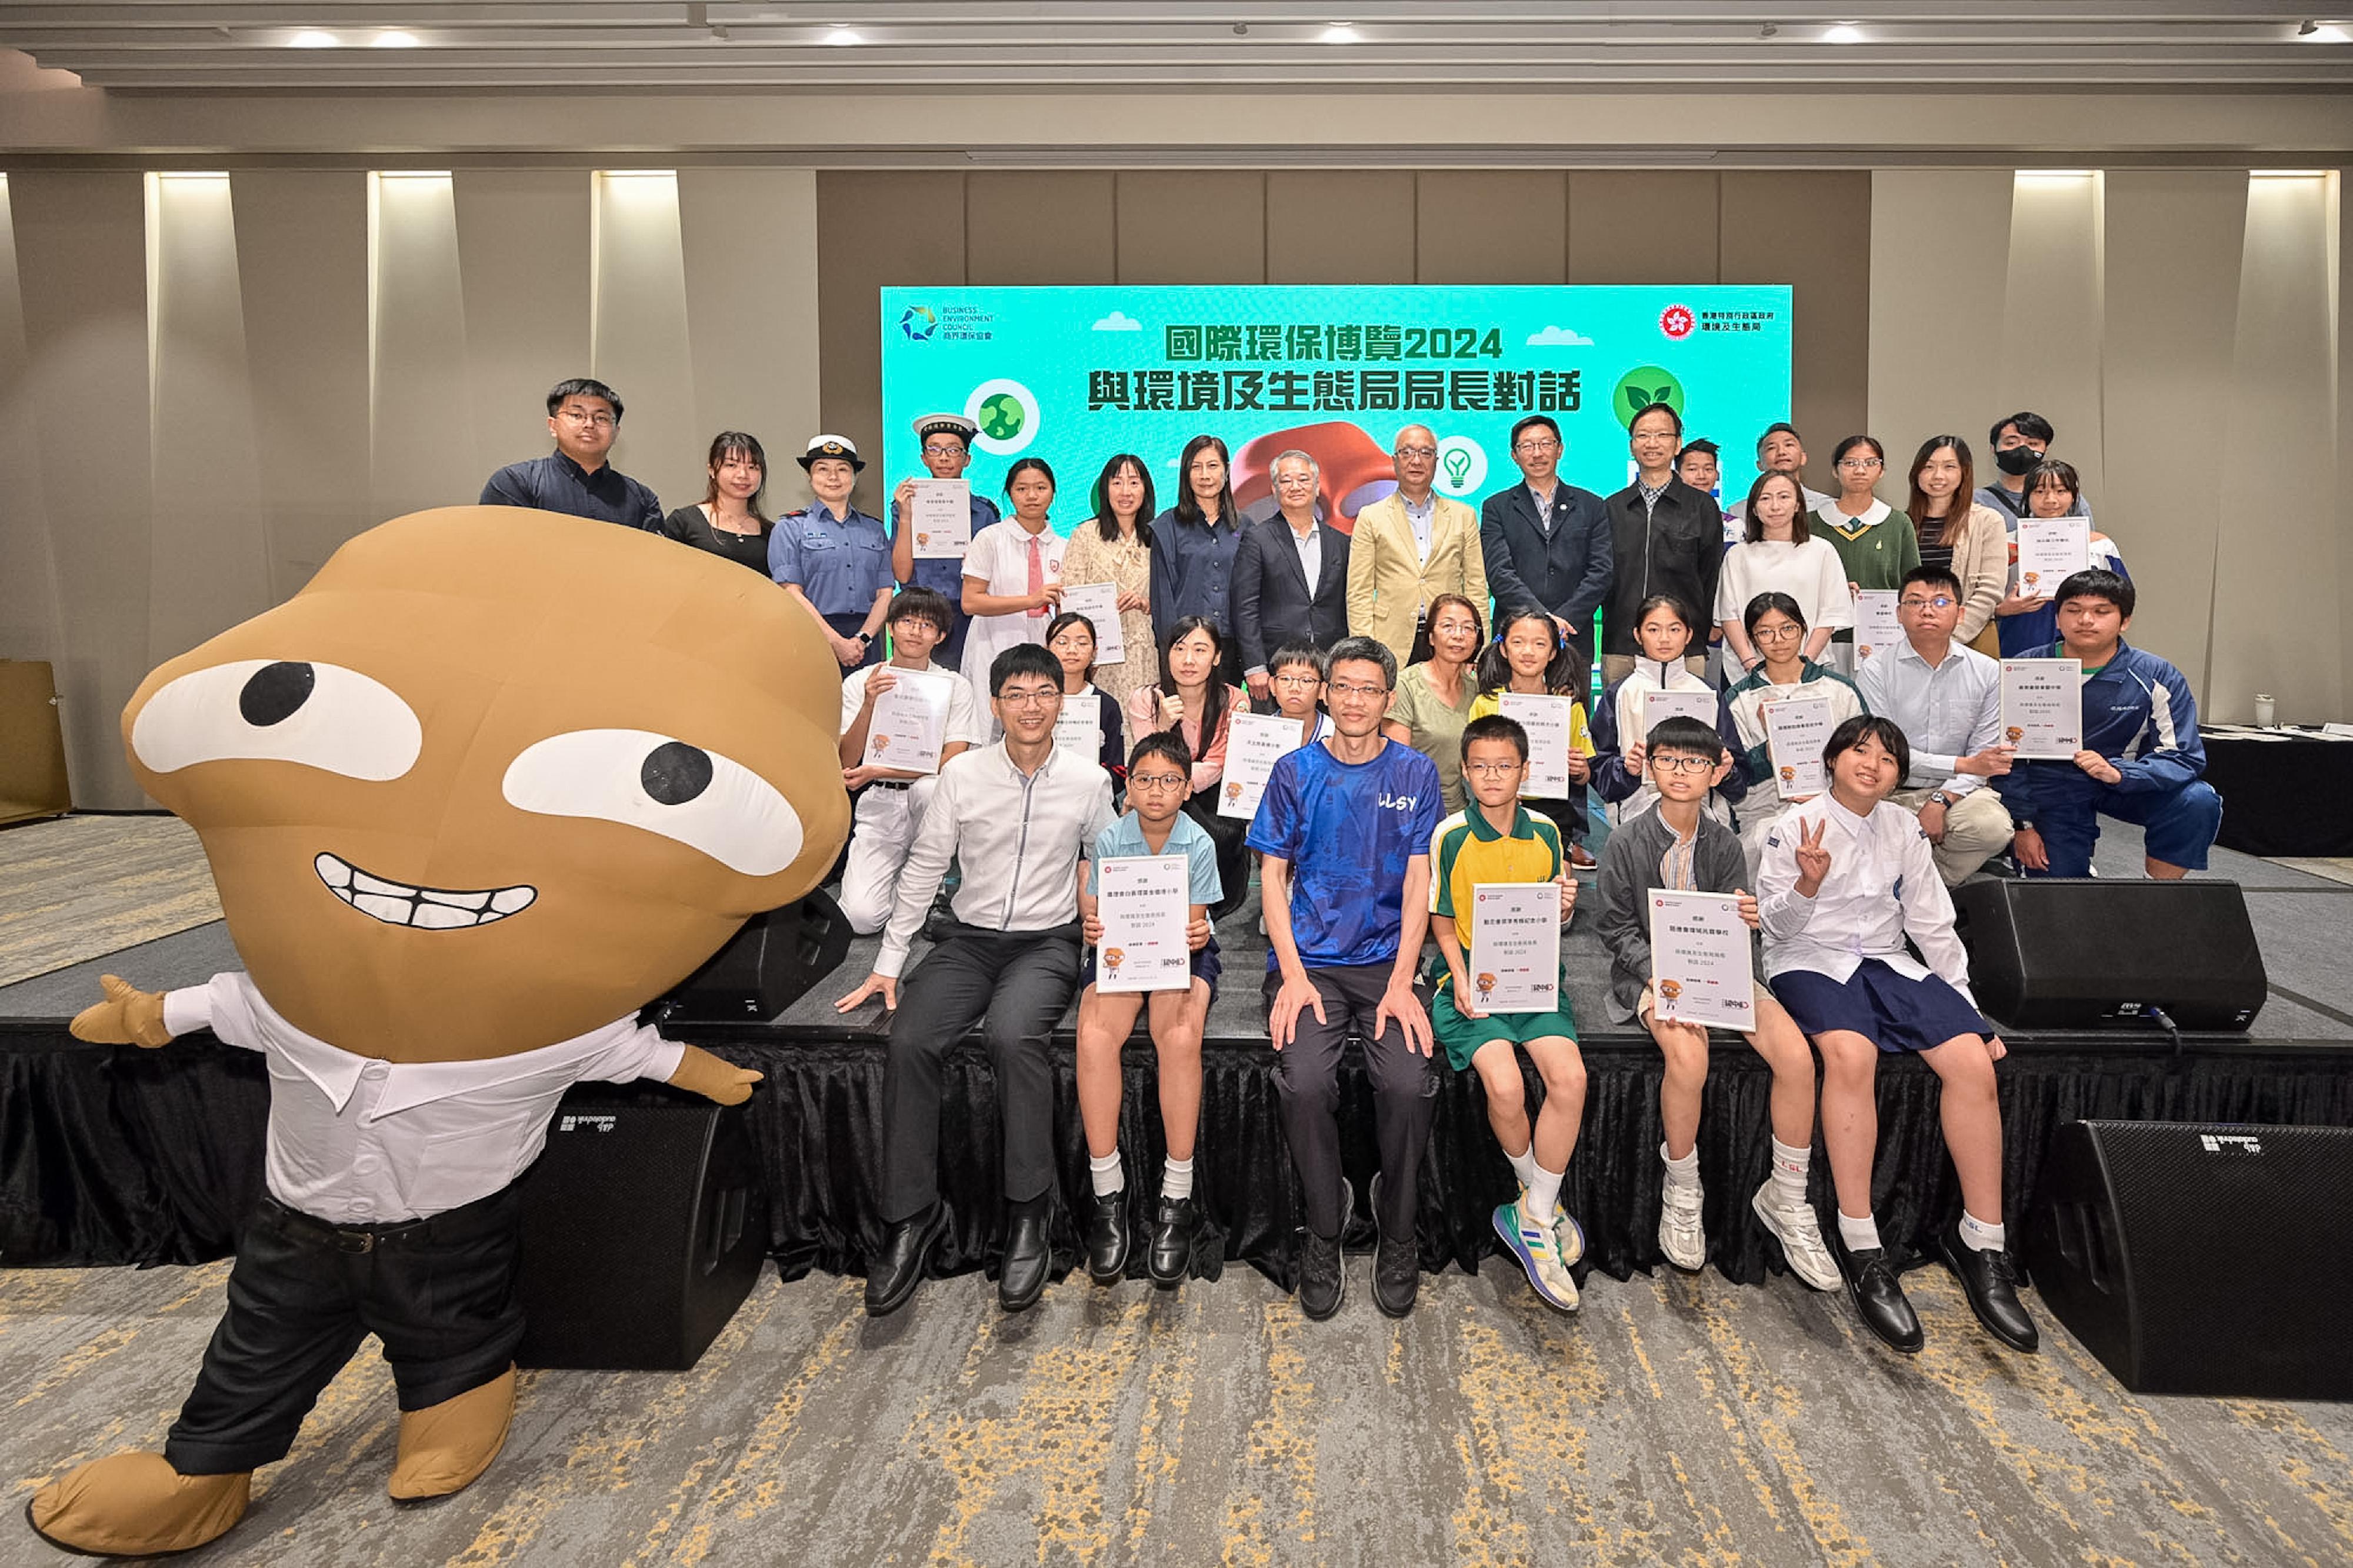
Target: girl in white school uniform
x=1845, y=879
x=1012, y=574
x=1663, y=630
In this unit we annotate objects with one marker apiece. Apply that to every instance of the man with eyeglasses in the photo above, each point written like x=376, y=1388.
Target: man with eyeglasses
x=947, y=452
x=1410, y=546
x=1666, y=538
x=1014, y=816
x=1546, y=542
x=1947, y=698
x=583, y=416
x=1290, y=577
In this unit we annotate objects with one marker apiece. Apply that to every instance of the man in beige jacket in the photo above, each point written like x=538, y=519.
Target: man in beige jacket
x=1410, y=547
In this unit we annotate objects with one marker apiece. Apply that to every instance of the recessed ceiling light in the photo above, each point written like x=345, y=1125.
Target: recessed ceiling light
x=2322, y=33
x=1341, y=33
x=393, y=39
x=842, y=32
x=312, y=38
x=1843, y=33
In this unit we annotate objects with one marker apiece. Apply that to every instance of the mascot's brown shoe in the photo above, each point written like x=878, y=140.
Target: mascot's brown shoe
x=444, y=1447
x=136, y=1505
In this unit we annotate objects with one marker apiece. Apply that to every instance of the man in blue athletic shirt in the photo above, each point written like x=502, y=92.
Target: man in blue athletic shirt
x=1344, y=826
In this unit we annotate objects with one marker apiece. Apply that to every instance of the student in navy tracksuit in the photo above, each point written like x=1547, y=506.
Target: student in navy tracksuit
x=2141, y=757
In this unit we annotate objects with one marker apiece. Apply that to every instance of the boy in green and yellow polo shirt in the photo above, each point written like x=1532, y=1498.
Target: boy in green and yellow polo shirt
x=1495, y=840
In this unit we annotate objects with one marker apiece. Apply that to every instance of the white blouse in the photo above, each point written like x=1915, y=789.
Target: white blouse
x=1810, y=574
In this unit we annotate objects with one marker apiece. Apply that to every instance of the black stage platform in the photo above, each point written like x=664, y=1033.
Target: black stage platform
x=112, y=1155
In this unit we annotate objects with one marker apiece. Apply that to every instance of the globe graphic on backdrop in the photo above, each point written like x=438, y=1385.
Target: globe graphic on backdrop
x=1002, y=416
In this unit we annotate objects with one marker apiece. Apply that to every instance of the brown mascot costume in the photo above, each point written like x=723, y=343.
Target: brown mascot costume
x=491, y=782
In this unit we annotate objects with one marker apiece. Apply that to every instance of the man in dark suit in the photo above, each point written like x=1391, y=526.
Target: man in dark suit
x=1291, y=576
x=1546, y=542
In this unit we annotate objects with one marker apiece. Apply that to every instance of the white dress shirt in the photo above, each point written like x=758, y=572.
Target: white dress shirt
x=1422, y=520
x=1018, y=837
x=964, y=714
x=1882, y=886
x=1311, y=552
x=1948, y=710
x=355, y=1141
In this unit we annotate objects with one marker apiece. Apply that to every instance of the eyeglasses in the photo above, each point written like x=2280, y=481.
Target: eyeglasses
x=1682, y=764
x=1492, y=770
x=1036, y=696
x=1342, y=688
x=1156, y=781
x=1424, y=453
x=1861, y=463
x=576, y=416
x=1941, y=602
x=1297, y=678
x=1776, y=633
x=943, y=449
x=1287, y=480
x=1545, y=444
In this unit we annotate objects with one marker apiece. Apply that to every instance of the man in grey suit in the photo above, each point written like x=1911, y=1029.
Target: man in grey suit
x=1546, y=541
x=1291, y=576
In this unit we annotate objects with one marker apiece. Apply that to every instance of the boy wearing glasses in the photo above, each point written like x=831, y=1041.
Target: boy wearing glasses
x=1497, y=839
x=583, y=416
x=1947, y=698
x=1678, y=847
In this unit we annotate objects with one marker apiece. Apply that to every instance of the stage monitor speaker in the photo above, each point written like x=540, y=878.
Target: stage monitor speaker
x=771, y=961
x=2071, y=952
x=643, y=1230
x=2201, y=1258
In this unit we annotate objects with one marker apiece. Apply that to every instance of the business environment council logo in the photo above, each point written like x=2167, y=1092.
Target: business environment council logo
x=1641, y=387
x=1007, y=413
x=919, y=322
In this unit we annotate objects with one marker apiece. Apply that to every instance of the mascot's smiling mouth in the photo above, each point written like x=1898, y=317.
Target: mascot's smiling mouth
x=433, y=908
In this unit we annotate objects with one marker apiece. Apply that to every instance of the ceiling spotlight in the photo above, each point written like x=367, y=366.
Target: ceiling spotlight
x=1242, y=29
x=2322, y=33
x=394, y=39
x=1770, y=30
x=1843, y=33
x=842, y=32
x=312, y=38
x=1341, y=33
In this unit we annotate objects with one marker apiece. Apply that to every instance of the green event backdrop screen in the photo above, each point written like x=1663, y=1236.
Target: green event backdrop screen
x=1073, y=375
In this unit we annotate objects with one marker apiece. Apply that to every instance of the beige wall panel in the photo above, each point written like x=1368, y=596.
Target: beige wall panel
x=1939, y=271
x=749, y=237
x=1642, y=225
x=32, y=617
x=865, y=241
x=2344, y=433
x=2170, y=302
x=1340, y=226
x=1041, y=226
x=1491, y=225
x=209, y=537
x=421, y=396
x=638, y=342
x=302, y=267
x=2277, y=620
x=1811, y=229
x=2051, y=326
x=82, y=265
x=522, y=267
x=1192, y=226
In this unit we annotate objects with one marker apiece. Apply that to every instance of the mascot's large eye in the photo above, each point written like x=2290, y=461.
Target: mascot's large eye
x=640, y=779
x=283, y=710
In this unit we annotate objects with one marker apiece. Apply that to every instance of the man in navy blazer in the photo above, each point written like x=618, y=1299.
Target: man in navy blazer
x=1547, y=543
x=1290, y=575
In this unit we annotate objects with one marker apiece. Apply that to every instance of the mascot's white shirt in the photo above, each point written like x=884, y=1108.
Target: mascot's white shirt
x=354, y=1141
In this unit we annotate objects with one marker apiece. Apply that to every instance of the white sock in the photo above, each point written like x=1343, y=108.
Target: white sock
x=1104, y=1172
x=1544, y=1194
x=1524, y=1165
x=1789, y=1174
x=1859, y=1235
x=1176, y=1179
x=1979, y=1237
x=1682, y=1173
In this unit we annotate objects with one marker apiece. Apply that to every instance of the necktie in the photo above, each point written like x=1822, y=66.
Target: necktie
x=1036, y=576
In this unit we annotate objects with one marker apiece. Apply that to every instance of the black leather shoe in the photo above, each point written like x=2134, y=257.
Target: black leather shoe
x=1397, y=1274
x=892, y=1274
x=1323, y=1282
x=1879, y=1297
x=1022, y=1277
x=1171, y=1252
x=1107, y=1237
x=1991, y=1282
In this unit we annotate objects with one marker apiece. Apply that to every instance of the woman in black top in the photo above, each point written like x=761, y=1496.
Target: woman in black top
x=728, y=521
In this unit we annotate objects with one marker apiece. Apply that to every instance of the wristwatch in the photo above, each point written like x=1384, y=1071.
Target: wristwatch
x=1940, y=798
x=865, y=640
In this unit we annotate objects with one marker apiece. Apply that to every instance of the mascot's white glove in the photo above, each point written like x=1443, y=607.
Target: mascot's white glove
x=129, y=1016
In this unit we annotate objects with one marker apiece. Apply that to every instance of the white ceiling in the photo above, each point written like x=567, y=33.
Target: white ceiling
x=180, y=46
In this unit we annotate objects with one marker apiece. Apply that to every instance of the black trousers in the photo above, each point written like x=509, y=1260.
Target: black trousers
x=439, y=1293
x=1016, y=985
x=1230, y=836
x=1307, y=1084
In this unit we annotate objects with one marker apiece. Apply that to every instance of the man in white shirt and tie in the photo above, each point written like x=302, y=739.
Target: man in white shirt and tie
x=1016, y=817
x=1947, y=698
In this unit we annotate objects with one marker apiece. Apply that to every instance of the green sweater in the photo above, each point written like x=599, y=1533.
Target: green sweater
x=1876, y=557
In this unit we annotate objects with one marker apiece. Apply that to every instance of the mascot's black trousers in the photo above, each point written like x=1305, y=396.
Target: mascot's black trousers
x=439, y=1293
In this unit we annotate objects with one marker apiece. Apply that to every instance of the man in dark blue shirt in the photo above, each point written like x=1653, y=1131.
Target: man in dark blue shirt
x=1344, y=826
x=583, y=416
